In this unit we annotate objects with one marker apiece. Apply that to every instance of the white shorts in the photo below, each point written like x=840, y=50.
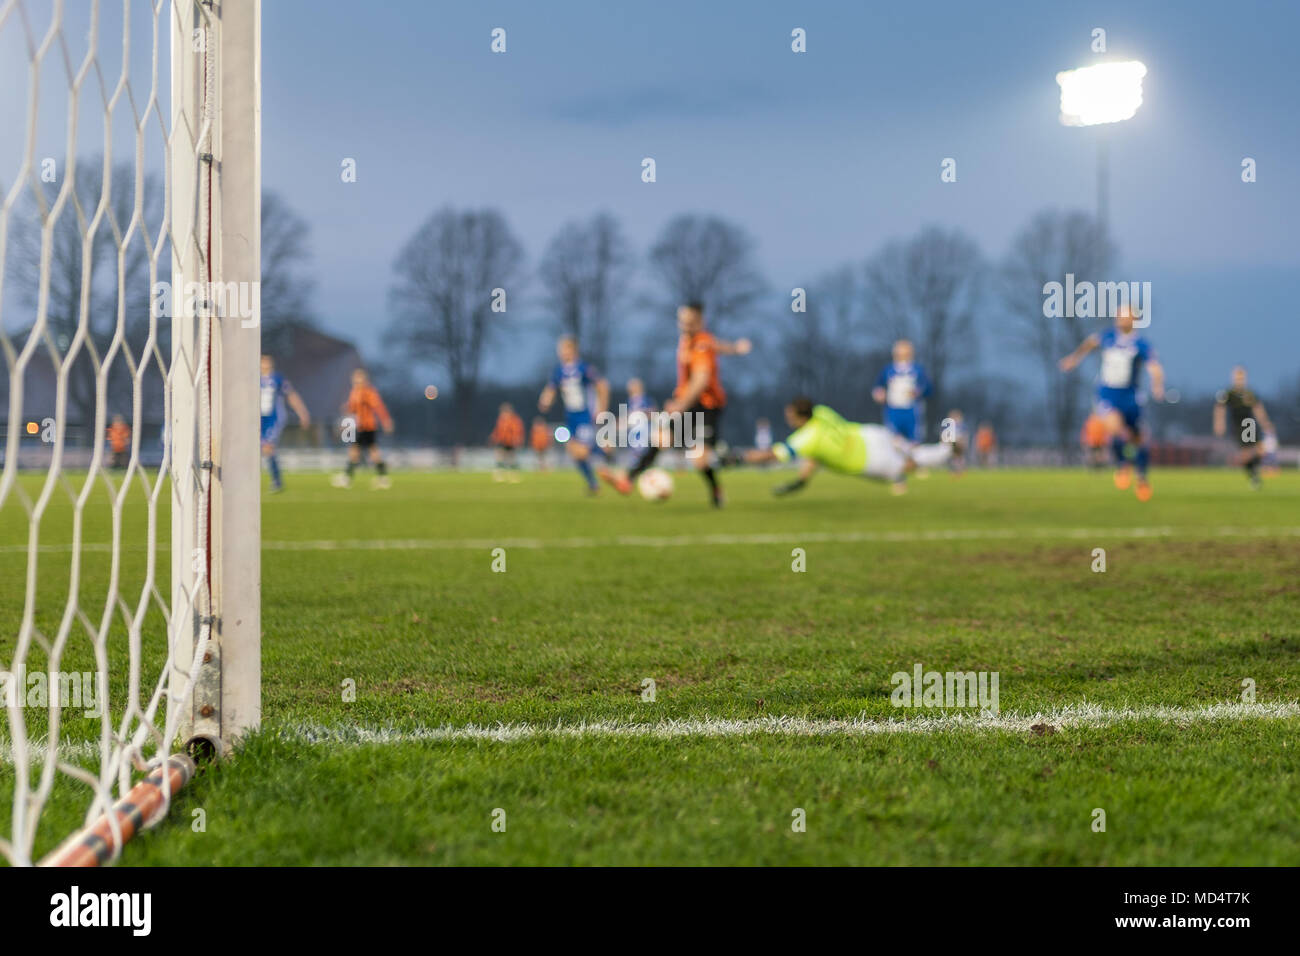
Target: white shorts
x=886, y=458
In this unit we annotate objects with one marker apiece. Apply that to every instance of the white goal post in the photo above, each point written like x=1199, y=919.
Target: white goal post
x=216, y=459
x=117, y=275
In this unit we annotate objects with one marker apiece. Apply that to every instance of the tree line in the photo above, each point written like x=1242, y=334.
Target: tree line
x=98, y=294
x=461, y=285
x=461, y=282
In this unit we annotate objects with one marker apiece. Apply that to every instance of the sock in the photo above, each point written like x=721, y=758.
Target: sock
x=352, y=466
x=931, y=456
x=584, y=466
x=1252, y=467
x=273, y=465
x=1117, y=449
x=711, y=477
x=1143, y=459
x=645, y=461
x=381, y=468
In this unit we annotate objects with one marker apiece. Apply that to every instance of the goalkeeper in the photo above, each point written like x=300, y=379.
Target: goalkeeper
x=822, y=437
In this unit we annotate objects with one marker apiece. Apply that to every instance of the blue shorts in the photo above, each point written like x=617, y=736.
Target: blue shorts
x=581, y=428
x=1120, y=400
x=271, y=429
x=902, y=422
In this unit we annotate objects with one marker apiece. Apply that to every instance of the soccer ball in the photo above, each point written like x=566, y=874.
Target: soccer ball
x=655, y=484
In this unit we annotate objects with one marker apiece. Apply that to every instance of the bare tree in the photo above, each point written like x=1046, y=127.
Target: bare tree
x=585, y=272
x=286, y=289
x=824, y=348
x=1052, y=245
x=928, y=289
x=97, y=244
x=708, y=260
x=443, y=295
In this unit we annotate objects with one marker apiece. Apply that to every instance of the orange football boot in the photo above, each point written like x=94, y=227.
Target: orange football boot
x=619, y=482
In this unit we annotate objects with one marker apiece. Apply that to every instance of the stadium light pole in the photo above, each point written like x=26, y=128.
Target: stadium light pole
x=1098, y=95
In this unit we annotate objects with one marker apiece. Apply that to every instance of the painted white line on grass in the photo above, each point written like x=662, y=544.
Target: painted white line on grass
x=1080, y=715
x=1083, y=715
x=78, y=752
x=696, y=540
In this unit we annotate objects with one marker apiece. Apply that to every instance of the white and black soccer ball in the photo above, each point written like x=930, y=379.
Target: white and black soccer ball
x=655, y=484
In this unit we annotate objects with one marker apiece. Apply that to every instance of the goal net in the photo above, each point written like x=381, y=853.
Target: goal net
x=129, y=517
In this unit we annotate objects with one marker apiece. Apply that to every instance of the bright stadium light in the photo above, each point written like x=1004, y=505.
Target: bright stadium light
x=1097, y=95
x=1105, y=93
x=561, y=434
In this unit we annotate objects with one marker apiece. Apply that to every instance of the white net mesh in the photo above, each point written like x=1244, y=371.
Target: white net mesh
x=88, y=385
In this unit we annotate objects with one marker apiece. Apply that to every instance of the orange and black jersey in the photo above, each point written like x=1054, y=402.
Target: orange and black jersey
x=695, y=352
x=118, y=437
x=368, y=410
x=509, y=431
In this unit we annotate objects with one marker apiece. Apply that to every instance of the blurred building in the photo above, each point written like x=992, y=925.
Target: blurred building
x=319, y=366
x=40, y=387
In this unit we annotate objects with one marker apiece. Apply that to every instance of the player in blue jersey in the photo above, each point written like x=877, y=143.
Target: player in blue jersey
x=276, y=392
x=1124, y=354
x=585, y=396
x=902, y=386
x=640, y=416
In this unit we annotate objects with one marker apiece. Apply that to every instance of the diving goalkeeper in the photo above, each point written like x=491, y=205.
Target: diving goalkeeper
x=822, y=437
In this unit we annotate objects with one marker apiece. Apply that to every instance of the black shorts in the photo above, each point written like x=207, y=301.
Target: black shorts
x=1239, y=431
x=703, y=429
x=366, y=439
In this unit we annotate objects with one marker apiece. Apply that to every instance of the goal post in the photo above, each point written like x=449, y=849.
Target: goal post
x=130, y=280
x=216, y=456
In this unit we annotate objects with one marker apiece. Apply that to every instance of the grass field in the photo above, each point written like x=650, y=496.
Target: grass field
x=1120, y=691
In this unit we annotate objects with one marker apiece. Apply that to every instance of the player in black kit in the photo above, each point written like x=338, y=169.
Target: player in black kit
x=1249, y=419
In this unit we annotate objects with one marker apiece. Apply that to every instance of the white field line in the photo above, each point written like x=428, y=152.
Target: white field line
x=81, y=752
x=1084, y=715
x=1081, y=715
x=696, y=540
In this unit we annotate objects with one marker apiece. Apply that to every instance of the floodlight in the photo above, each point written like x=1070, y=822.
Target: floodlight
x=1104, y=93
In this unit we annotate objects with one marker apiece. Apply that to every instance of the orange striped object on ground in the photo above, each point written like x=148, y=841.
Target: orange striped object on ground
x=94, y=845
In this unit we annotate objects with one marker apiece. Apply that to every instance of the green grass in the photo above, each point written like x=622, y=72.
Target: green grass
x=431, y=636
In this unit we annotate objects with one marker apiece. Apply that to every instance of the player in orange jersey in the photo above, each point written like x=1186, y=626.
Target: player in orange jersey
x=986, y=444
x=119, y=439
x=364, y=413
x=540, y=440
x=508, y=436
x=1093, y=439
x=694, y=410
